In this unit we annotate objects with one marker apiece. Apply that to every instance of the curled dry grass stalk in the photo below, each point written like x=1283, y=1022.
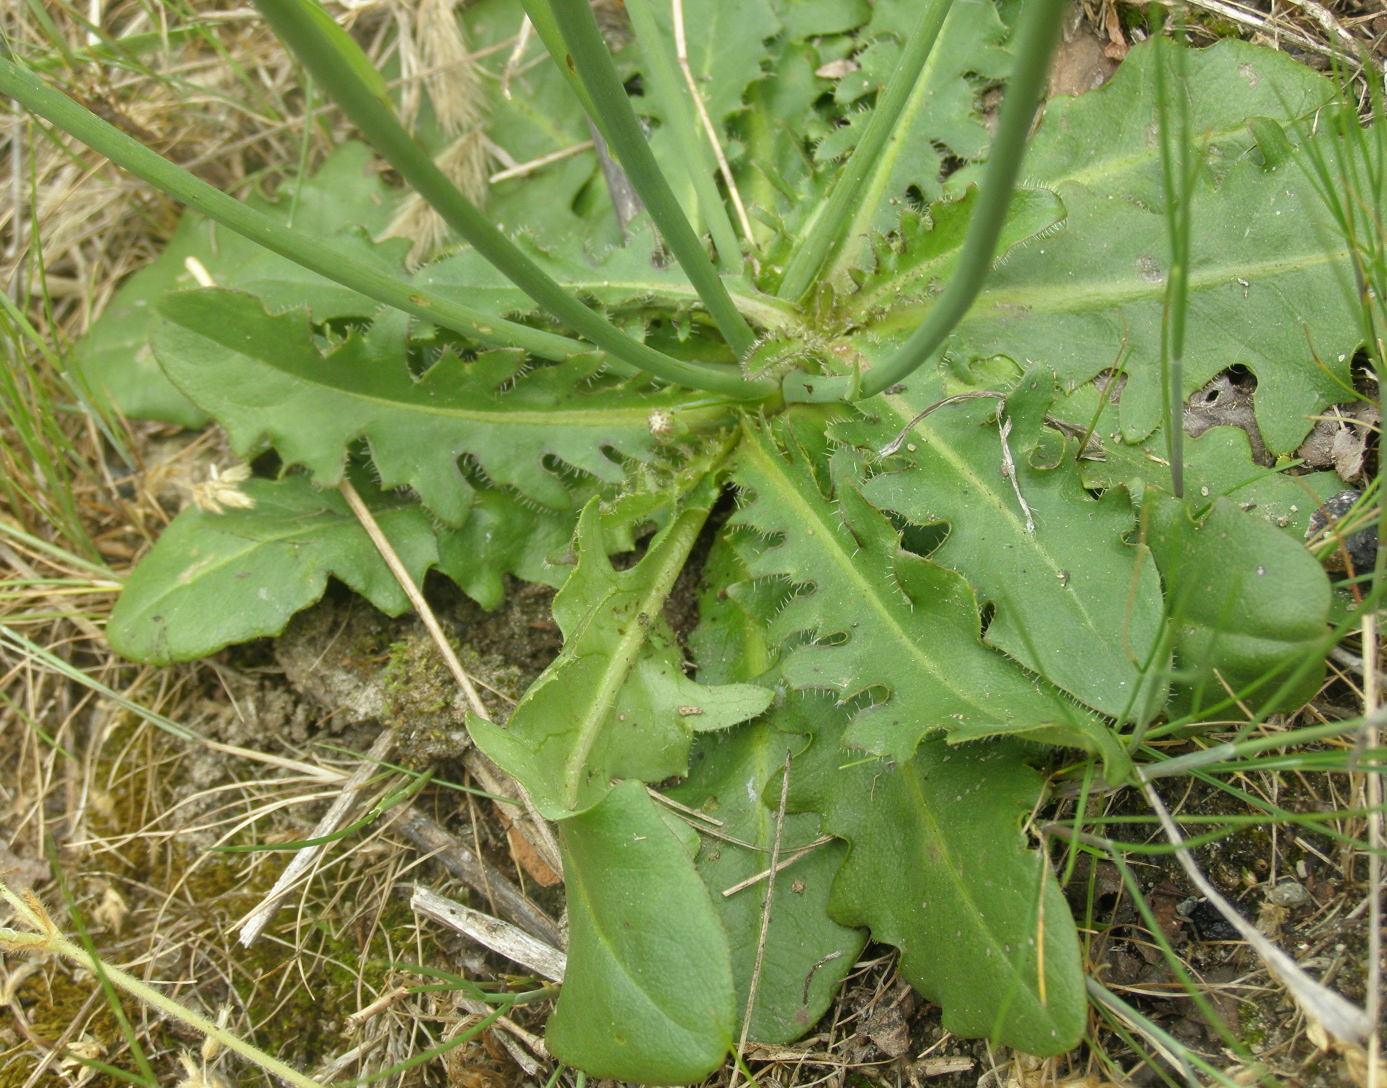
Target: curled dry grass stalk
x=116, y=782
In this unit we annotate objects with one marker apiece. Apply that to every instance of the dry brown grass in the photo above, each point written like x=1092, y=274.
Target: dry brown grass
x=109, y=812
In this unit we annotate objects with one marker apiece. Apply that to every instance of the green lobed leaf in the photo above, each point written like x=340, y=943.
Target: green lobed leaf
x=1266, y=287
x=504, y=535
x=735, y=778
x=941, y=113
x=1250, y=605
x=938, y=867
x=923, y=252
x=648, y=993
x=616, y=702
x=1073, y=602
x=263, y=376
x=344, y=200
x=216, y=579
x=878, y=619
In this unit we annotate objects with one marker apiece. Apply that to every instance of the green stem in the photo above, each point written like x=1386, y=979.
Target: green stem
x=830, y=230
x=1036, y=35
x=334, y=60
x=1178, y=178
x=303, y=249
x=665, y=83
x=588, y=55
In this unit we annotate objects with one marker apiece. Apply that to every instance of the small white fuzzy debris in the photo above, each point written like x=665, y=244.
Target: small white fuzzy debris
x=221, y=491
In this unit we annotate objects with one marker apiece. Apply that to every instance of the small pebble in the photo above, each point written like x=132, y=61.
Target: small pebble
x=1360, y=545
x=1288, y=894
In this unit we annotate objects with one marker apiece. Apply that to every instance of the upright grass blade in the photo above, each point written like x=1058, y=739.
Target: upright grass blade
x=336, y=62
x=587, y=55
x=129, y=154
x=1178, y=168
x=1036, y=35
x=829, y=231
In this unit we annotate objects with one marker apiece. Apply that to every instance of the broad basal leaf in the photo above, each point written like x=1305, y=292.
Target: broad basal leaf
x=345, y=202
x=1267, y=287
x=216, y=579
x=648, y=994
x=735, y=778
x=879, y=619
x=616, y=703
x=1073, y=602
x=1108, y=139
x=939, y=868
x=1250, y=604
x=264, y=376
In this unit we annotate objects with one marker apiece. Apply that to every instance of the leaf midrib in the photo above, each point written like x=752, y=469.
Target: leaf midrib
x=843, y=561
x=999, y=501
x=1074, y=296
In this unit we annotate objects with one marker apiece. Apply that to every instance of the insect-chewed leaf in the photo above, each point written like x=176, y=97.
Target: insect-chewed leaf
x=216, y=579
x=262, y=375
x=1073, y=602
x=881, y=619
x=1267, y=275
x=648, y=994
x=616, y=702
x=1251, y=606
x=938, y=867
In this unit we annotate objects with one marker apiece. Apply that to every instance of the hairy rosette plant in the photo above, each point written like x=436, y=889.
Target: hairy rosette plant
x=969, y=540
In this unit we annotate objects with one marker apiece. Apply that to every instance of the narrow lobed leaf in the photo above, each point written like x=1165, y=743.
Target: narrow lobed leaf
x=616, y=703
